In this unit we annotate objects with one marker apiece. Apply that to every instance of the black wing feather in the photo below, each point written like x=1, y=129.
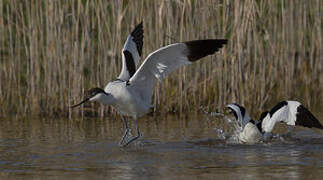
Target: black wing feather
x=277, y=107
x=305, y=118
x=201, y=48
x=138, y=36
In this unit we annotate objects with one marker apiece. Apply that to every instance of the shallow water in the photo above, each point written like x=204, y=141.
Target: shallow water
x=172, y=147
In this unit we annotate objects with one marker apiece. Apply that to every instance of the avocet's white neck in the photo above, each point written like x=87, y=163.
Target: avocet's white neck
x=106, y=99
x=267, y=124
x=245, y=119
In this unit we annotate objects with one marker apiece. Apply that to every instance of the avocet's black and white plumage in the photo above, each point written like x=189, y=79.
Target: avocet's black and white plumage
x=131, y=53
x=131, y=94
x=293, y=113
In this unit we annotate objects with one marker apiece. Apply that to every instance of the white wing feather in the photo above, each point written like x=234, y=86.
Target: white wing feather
x=169, y=58
x=269, y=122
x=158, y=65
x=286, y=113
x=131, y=53
x=130, y=45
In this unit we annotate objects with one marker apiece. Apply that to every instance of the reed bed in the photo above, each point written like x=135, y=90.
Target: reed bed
x=51, y=52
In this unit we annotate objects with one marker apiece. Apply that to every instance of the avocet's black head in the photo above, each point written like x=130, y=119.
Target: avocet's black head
x=232, y=111
x=240, y=113
x=94, y=91
x=90, y=95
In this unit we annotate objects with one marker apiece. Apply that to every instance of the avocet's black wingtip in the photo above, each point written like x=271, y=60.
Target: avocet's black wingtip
x=200, y=48
x=305, y=118
x=138, y=36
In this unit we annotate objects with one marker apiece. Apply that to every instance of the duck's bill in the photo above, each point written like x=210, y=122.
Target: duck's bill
x=82, y=102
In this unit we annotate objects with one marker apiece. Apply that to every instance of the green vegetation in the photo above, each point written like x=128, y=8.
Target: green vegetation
x=52, y=51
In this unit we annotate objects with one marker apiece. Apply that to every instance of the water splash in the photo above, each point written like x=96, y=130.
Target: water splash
x=220, y=133
x=231, y=133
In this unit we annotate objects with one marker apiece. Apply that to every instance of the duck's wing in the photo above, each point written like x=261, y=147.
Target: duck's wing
x=169, y=58
x=131, y=53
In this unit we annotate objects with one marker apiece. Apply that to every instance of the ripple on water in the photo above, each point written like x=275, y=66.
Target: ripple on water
x=171, y=148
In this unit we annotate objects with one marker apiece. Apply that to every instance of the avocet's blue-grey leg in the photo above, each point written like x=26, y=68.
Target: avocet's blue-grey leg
x=267, y=136
x=136, y=137
x=125, y=132
x=289, y=131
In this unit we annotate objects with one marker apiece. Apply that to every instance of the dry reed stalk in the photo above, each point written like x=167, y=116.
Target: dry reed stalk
x=52, y=51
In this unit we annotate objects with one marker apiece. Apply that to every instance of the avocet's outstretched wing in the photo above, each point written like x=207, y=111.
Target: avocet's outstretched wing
x=166, y=59
x=240, y=113
x=131, y=53
x=292, y=113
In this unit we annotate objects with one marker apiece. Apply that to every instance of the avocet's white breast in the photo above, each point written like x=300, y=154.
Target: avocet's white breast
x=127, y=100
x=250, y=134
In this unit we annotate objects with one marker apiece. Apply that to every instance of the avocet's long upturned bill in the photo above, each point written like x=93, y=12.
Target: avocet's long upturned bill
x=293, y=113
x=131, y=94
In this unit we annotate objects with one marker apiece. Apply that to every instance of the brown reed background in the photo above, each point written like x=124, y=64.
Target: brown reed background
x=51, y=52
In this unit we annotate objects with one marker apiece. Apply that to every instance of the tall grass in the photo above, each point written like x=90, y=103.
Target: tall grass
x=52, y=51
